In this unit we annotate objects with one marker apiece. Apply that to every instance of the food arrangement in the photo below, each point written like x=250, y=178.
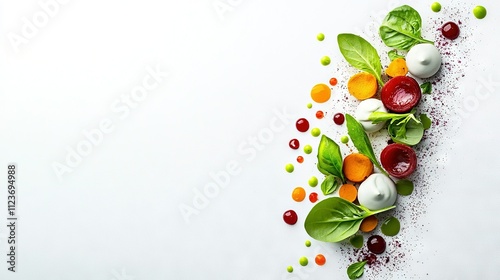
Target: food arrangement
x=360, y=184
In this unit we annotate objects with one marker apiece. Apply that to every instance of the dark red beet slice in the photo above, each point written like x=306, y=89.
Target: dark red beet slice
x=398, y=160
x=400, y=94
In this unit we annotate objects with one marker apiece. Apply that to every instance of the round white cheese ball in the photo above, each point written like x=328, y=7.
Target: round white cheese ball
x=423, y=60
x=377, y=191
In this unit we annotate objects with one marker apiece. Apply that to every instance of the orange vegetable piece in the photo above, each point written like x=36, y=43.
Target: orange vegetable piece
x=357, y=167
x=298, y=194
x=321, y=93
x=368, y=224
x=362, y=85
x=397, y=68
x=348, y=192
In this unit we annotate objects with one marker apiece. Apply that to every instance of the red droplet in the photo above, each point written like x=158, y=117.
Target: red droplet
x=290, y=217
x=313, y=197
x=376, y=244
x=338, y=118
x=294, y=144
x=302, y=125
x=450, y=30
x=333, y=81
x=300, y=159
x=320, y=114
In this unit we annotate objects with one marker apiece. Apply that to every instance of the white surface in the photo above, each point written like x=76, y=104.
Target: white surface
x=116, y=215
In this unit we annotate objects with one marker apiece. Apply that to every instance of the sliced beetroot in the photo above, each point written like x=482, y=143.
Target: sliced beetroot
x=398, y=160
x=400, y=94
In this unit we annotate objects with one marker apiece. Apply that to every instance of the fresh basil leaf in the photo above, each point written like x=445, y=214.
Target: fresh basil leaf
x=401, y=28
x=361, y=141
x=330, y=184
x=426, y=88
x=360, y=54
x=394, y=55
x=334, y=219
x=409, y=133
x=356, y=270
x=330, y=158
x=426, y=122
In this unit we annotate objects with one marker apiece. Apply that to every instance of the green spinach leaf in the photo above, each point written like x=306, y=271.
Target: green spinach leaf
x=361, y=141
x=401, y=28
x=360, y=54
x=426, y=122
x=409, y=133
x=330, y=184
x=330, y=158
x=394, y=55
x=426, y=88
x=334, y=219
x=356, y=270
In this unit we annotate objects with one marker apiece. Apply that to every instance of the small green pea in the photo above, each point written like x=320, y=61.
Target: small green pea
x=315, y=132
x=479, y=12
x=308, y=243
x=320, y=37
x=289, y=269
x=289, y=168
x=344, y=139
x=325, y=60
x=308, y=149
x=303, y=261
x=309, y=105
x=313, y=181
x=436, y=7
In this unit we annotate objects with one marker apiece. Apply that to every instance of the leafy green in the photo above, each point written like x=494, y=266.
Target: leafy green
x=409, y=131
x=357, y=241
x=335, y=219
x=361, y=54
x=330, y=184
x=401, y=28
x=403, y=128
x=426, y=88
x=330, y=158
x=361, y=140
x=426, y=122
x=404, y=187
x=356, y=270
x=394, y=55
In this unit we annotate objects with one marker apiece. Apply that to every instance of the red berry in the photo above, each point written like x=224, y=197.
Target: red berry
x=338, y=118
x=302, y=125
x=294, y=144
x=313, y=197
x=376, y=244
x=290, y=217
x=400, y=94
x=450, y=30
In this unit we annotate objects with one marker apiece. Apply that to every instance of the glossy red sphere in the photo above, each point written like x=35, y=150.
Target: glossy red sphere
x=290, y=217
x=450, y=30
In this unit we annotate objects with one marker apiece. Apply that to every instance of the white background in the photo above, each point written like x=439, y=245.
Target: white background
x=116, y=215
